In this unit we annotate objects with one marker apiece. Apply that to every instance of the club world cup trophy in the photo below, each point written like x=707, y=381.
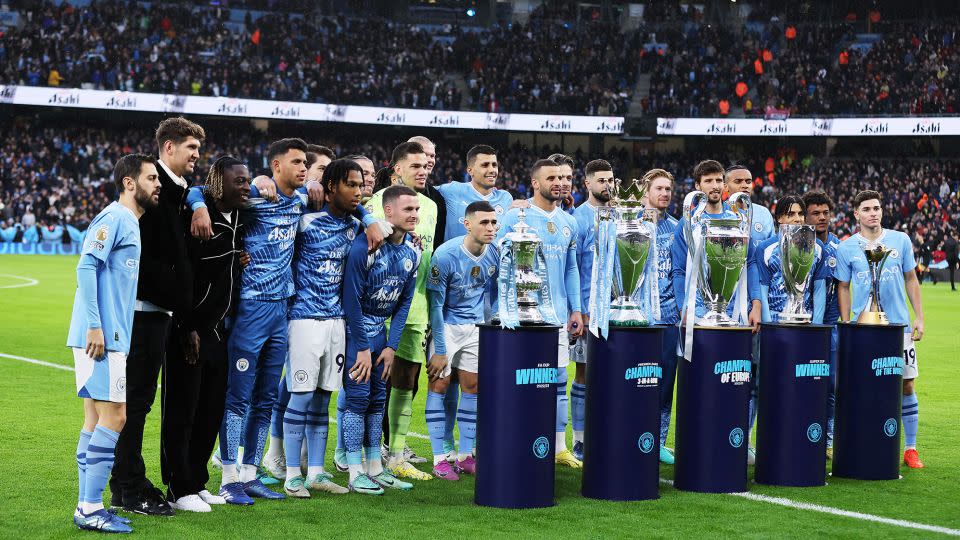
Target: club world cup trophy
x=632, y=245
x=876, y=255
x=798, y=244
x=721, y=255
x=521, y=267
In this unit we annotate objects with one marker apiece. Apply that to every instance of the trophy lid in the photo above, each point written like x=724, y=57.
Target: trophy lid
x=875, y=252
x=628, y=193
x=521, y=231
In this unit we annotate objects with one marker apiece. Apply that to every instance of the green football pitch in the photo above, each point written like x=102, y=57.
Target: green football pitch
x=41, y=418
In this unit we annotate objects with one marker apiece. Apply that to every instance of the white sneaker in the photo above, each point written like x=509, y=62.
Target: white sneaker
x=191, y=503
x=276, y=466
x=751, y=456
x=215, y=460
x=211, y=499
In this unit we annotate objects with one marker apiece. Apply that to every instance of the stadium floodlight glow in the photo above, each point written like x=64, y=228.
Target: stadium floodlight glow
x=471, y=12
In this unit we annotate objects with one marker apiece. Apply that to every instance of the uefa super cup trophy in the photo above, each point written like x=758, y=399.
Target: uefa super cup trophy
x=633, y=238
x=876, y=254
x=798, y=244
x=723, y=253
x=525, y=247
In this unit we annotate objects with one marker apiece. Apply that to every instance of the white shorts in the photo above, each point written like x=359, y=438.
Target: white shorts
x=463, y=346
x=563, y=352
x=910, y=370
x=102, y=380
x=578, y=351
x=316, y=355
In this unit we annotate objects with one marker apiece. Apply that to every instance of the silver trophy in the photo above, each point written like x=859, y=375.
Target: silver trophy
x=634, y=240
x=525, y=248
x=723, y=256
x=798, y=244
x=876, y=254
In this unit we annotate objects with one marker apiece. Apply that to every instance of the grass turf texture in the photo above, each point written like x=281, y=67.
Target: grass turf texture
x=41, y=418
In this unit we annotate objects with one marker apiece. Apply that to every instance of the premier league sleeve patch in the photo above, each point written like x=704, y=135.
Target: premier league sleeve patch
x=102, y=233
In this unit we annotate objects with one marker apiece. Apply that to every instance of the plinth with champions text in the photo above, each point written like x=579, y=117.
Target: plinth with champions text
x=713, y=393
x=794, y=385
x=516, y=416
x=621, y=445
x=866, y=442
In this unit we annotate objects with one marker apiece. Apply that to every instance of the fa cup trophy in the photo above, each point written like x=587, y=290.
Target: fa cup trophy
x=633, y=240
x=798, y=244
x=721, y=252
x=521, y=269
x=876, y=255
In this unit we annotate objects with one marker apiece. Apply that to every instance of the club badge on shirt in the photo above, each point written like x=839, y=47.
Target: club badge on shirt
x=551, y=227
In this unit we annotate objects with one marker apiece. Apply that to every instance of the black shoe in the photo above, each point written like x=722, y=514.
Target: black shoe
x=116, y=500
x=149, y=502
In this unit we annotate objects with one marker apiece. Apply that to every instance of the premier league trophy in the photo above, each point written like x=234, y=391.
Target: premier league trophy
x=876, y=255
x=798, y=244
x=723, y=253
x=633, y=242
x=525, y=250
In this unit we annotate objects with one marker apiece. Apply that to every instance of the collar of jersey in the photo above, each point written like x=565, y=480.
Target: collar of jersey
x=541, y=210
x=484, y=197
x=477, y=258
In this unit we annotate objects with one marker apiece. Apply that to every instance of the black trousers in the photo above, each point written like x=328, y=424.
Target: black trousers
x=952, y=264
x=148, y=343
x=192, y=399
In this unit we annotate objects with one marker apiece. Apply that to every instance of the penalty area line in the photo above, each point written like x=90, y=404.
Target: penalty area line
x=28, y=282
x=797, y=505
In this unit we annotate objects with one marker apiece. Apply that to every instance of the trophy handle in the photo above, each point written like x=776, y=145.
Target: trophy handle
x=741, y=205
x=694, y=205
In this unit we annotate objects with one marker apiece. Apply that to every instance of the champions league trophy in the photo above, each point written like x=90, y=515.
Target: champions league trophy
x=722, y=253
x=876, y=255
x=634, y=239
x=525, y=248
x=798, y=244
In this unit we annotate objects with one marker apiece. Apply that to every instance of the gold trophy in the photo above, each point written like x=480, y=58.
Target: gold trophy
x=876, y=255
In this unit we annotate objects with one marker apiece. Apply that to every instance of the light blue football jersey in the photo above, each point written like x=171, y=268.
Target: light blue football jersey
x=462, y=279
x=852, y=267
x=586, y=217
x=458, y=195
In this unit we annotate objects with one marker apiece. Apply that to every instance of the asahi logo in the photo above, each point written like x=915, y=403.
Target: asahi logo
x=64, y=98
x=232, y=107
x=926, y=127
x=121, y=100
x=445, y=120
x=495, y=120
x=610, y=127
x=822, y=126
x=875, y=127
x=774, y=128
x=336, y=113
x=391, y=117
x=666, y=125
x=173, y=103
x=7, y=93
x=722, y=128
x=556, y=124
x=285, y=111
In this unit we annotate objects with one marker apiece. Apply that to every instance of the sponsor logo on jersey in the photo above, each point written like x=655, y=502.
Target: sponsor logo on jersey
x=242, y=364
x=385, y=295
x=102, y=233
x=282, y=233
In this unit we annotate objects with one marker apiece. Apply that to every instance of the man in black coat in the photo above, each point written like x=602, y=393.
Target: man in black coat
x=165, y=286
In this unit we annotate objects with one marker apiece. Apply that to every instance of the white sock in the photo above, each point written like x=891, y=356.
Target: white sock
x=293, y=472
x=230, y=475
x=461, y=456
x=394, y=459
x=248, y=473
x=577, y=436
x=89, y=508
x=374, y=467
x=313, y=471
x=561, y=442
x=355, y=471
x=275, y=450
x=440, y=458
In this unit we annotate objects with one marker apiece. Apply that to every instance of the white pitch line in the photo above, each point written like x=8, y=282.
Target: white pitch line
x=780, y=501
x=30, y=282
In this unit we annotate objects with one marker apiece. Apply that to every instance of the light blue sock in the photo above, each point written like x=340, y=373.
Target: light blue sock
x=99, y=463
x=561, y=401
x=317, y=425
x=82, y=458
x=578, y=403
x=279, y=407
x=467, y=418
x=911, y=420
x=436, y=421
x=341, y=406
x=664, y=424
x=450, y=400
x=294, y=419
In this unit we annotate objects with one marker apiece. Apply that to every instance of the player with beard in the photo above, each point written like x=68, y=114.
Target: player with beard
x=558, y=230
x=100, y=333
x=567, y=167
x=599, y=181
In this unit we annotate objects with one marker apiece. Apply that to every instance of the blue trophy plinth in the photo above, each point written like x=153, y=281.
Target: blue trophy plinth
x=866, y=441
x=622, y=436
x=516, y=416
x=713, y=393
x=792, y=412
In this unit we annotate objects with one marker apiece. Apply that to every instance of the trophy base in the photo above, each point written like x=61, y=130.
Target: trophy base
x=795, y=318
x=529, y=314
x=627, y=314
x=873, y=317
x=716, y=319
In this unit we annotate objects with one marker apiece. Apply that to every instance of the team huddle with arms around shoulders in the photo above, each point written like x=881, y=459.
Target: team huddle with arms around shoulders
x=259, y=299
